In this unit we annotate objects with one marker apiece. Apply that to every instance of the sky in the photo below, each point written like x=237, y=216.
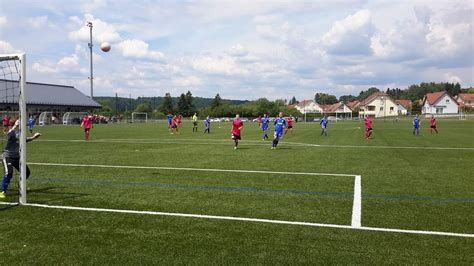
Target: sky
x=246, y=49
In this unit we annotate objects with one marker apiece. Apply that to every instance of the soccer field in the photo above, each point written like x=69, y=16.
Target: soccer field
x=135, y=193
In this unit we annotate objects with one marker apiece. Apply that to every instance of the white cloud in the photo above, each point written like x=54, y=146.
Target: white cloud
x=44, y=68
x=138, y=49
x=450, y=77
x=101, y=30
x=3, y=21
x=188, y=82
x=7, y=48
x=237, y=50
x=351, y=35
x=39, y=22
x=89, y=6
x=69, y=61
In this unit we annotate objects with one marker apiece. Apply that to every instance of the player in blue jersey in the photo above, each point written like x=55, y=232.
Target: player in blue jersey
x=416, y=126
x=265, y=123
x=207, y=125
x=280, y=124
x=31, y=124
x=324, y=125
x=170, y=120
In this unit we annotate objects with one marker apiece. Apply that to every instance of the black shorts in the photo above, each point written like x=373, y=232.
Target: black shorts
x=195, y=123
x=369, y=129
x=234, y=137
x=87, y=129
x=174, y=126
x=433, y=126
x=290, y=127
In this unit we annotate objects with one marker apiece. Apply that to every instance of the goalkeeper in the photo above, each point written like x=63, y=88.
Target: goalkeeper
x=11, y=156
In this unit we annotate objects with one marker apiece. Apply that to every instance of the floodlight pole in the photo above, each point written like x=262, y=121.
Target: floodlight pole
x=89, y=24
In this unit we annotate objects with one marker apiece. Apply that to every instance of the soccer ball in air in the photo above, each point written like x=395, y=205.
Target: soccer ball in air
x=105, y=47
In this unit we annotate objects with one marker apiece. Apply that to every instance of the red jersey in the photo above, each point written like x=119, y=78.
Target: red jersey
x=433, y=121
x=180, y=118
x=6, y=121
x=86, y=122
x=236, y=126
x=289, y=121
x=174, y=121
x=368, y=123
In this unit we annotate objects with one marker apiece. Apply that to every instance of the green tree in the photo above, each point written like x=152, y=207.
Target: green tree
x=347, y=98
x=324, y=98
x=216, y=102
x=190, y=103
x=167, y=106
x=293, y=101
x=182, y=105
x=105, y=110
x=144, y=108
x=367, y=93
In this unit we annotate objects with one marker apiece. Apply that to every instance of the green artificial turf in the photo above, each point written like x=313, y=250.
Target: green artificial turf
x=408, y=182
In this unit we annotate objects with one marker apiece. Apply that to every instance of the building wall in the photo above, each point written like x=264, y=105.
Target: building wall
x=381, y=108
x=445, y=105
x=310, y=108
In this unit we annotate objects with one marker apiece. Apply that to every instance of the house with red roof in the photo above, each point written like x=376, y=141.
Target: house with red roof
x=404, y=106
x=465, y=100
x=309, y=106
x=378, y=104
x=439, y=103
x=338, y=109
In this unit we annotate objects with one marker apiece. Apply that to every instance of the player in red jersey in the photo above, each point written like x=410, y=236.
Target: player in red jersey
x=174, y=125
x=289, y=123
x=180, y=120
x=6, y=122
x=87, y=125
x=368, y=127
x=433, y=125
x=237, y=126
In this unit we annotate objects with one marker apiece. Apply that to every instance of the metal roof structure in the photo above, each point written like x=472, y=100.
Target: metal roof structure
x=45, y=94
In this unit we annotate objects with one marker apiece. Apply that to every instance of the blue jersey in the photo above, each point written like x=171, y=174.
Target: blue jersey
x=170, y=118
x=324, y=123
x=416, y=122
x=31, y=122
x=207, y=122
x=280, y=124
x=265, y=123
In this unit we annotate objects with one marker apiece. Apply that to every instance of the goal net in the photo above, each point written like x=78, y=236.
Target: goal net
x=12, y=98
x=138, y=117
x=73, y=118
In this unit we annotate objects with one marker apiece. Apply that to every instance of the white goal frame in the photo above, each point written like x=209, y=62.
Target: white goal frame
x=67, y=119
x=42, y=116
x=139, y=113
x=21, y=58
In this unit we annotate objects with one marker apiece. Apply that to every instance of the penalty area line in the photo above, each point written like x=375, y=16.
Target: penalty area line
x=189, y=169
x=256, y=220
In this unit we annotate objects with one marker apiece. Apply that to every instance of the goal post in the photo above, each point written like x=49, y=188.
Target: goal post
x=139, y=117
x=13, y=68
x=70, y=118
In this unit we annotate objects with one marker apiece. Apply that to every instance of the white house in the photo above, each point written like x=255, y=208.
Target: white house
x=339, y=109
x=309, y=106
x=404, y=106
x=378, y=104
x=439, y=103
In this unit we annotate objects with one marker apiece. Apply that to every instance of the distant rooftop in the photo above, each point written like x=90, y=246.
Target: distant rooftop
x=45, y=94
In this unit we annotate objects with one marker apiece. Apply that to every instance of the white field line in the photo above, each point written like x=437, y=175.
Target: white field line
x=188, y=169
x=256, y=220
x=357, y=204
x=252, y=143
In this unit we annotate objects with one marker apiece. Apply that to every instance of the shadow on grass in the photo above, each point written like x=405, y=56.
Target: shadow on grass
x=48, y=195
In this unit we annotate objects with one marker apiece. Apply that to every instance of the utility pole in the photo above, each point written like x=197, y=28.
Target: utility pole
x=89, y=24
